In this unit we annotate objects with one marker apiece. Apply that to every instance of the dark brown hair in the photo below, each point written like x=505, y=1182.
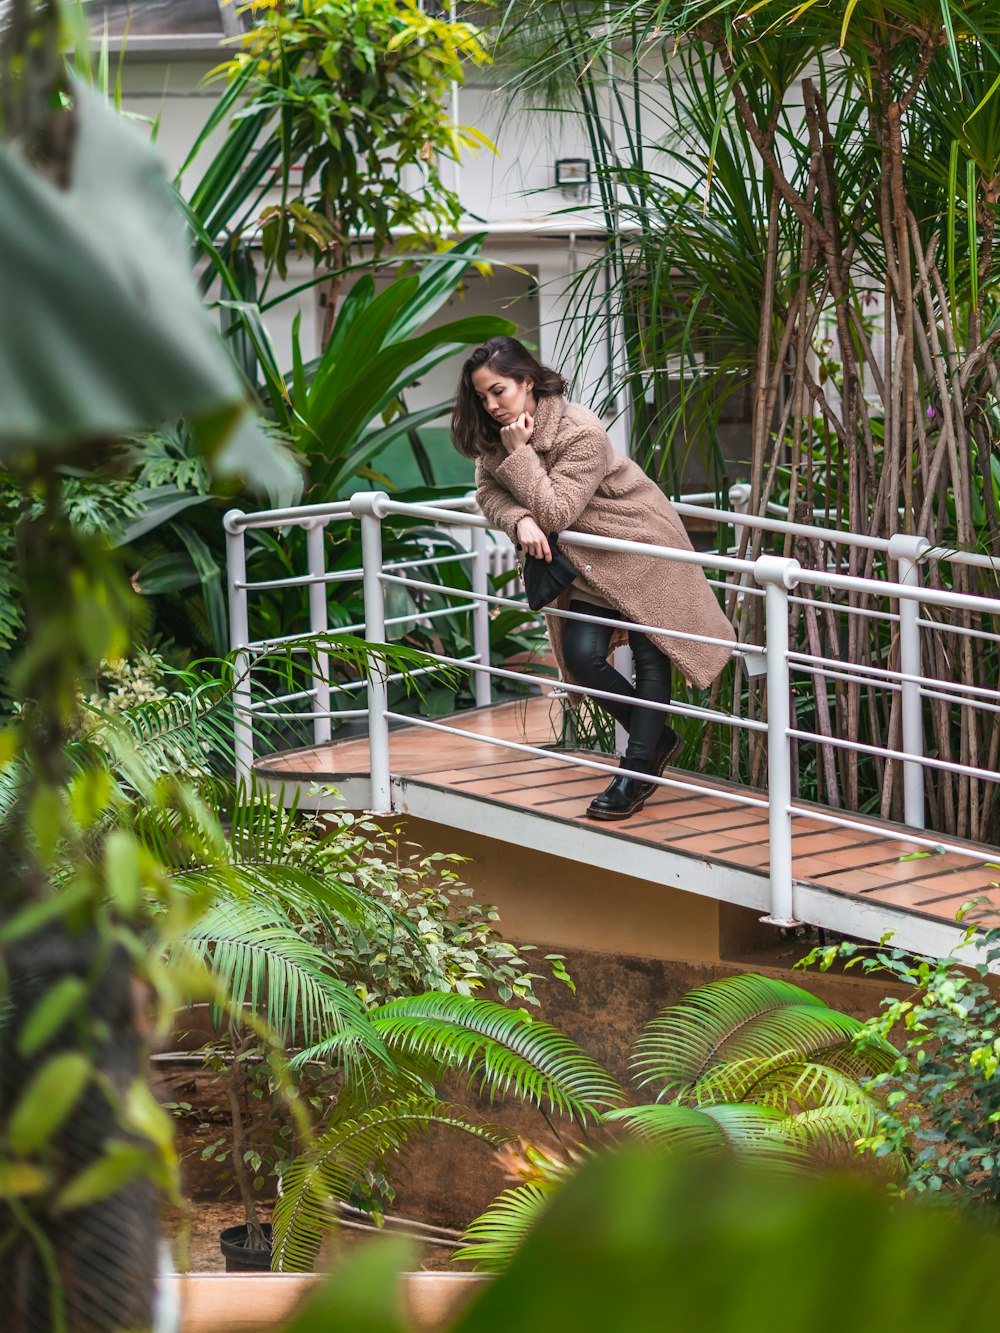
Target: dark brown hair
x=473, y=430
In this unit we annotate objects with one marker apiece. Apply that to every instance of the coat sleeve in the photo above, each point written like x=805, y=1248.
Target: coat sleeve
x=497, y=503
x=556, y=499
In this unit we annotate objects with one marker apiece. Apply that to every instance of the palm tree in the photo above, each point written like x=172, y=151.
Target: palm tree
x=750, y=1067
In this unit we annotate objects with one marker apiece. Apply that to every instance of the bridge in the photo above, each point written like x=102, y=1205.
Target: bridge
x=506, y=768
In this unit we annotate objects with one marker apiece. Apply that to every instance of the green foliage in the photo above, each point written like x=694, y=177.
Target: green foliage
x=752, y=1067
x=941, y=1098
x=801, y=203
x=81, y=255
x=352, y=1145
x=452, y=943
x=506, y=1052
x=353, y=93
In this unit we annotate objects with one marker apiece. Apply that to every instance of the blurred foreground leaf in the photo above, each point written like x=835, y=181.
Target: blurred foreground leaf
x=635, y=1242
x=102, y=330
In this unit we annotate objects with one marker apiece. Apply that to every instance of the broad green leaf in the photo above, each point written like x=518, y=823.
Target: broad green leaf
x=47, y=1100
x=53, y=1010
x=82, y=358
x=121, y=1164
x=20, y=1179
x=123, y=871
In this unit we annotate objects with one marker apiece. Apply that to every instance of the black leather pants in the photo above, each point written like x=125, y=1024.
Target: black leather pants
x=585, y=648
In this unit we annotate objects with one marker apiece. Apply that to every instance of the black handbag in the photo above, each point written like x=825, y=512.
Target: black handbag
x=544, y=580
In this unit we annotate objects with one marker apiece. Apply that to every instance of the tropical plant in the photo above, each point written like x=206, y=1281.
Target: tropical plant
x=502, y=1052
x=746, y=1066
x=350, y=97
x=941, y=1099
x=305, y=923
x=340, y=413
x=801, y=203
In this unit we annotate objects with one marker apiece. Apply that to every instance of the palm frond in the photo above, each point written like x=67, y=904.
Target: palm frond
x=327, y=1173
x=506, y=1051
x=267, y=968
x=757, y=1132
x=724, y=1035
x=491, y=1241
x=827, y=1108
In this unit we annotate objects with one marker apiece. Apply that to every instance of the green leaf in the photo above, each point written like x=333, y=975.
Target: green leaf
x=123, y=871
x=82, y=357
x=53, y=1010
x=21, y=1179
x=47, y=1101
x=121, y=1164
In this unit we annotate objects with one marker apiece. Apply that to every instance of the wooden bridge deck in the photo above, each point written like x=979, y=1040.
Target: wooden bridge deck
x=850, y=880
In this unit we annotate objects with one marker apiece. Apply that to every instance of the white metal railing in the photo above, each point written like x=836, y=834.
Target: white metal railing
x=781, y=581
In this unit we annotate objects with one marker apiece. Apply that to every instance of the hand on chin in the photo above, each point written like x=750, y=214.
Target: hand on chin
x=517, y=432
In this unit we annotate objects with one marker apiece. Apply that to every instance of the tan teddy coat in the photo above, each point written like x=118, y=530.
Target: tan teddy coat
x=569, y=476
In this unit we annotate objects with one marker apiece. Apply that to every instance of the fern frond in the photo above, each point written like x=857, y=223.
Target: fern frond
x=714, y=1043
x=266, y=967
x=507, y=1052
x=327, y=1173
x=491, y=1241
x=757, y=1132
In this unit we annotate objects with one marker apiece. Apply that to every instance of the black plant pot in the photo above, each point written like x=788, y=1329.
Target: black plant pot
x=239, y=1259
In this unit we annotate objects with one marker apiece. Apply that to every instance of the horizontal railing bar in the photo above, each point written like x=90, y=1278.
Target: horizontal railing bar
x=417, y=615
x=779, y=525
x=491, y=598
x=616, y=771
x=346, y=687
x=891, y=675
x=901, y=833
x=829, y=673
x=974, y=558
x=310, y=717
x=301, y=580
x=907, y=591
x=340, y=575
x=550, y=682
x=331, y=509
x=324, y=636
x=841, y=609
x=862, y=747
x=741, y=589
x=959, y=629
x=273, y=699
x=290, y=517
x=953, y=699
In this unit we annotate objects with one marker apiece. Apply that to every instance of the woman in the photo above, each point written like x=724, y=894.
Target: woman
x=544, y=464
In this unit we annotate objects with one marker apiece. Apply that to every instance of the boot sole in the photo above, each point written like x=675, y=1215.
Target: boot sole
x=609, y=816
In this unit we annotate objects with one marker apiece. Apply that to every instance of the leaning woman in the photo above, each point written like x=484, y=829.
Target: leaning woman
x=544, y=464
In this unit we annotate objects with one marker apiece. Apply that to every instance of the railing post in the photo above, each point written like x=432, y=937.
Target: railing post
x=239, y=637
x=908, y=551
x=367, y=506
x=481, y=617
x=316, y=556
x=777, y=576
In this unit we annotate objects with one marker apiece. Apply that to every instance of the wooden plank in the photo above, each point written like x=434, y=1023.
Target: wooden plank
x=863, y=863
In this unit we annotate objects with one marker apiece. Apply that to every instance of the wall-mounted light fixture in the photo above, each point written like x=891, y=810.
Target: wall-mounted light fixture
x=573, y=176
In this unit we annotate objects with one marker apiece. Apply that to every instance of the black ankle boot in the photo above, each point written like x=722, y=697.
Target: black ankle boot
x=622, y=797
x=667, y=747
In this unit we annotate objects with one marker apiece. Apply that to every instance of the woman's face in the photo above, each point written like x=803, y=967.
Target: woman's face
x=503, y=398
